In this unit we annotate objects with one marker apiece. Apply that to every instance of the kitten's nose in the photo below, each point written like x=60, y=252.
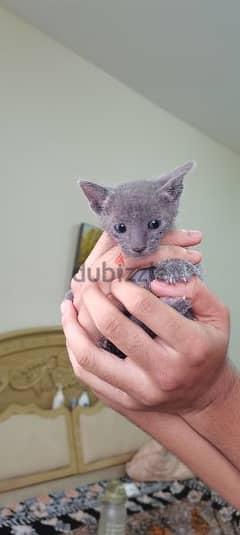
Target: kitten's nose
x=138, y=249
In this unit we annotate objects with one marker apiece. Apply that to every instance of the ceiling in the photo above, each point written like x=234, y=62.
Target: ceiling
x=181, y=54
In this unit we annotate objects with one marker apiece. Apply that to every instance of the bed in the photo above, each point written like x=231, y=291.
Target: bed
x=40, y=444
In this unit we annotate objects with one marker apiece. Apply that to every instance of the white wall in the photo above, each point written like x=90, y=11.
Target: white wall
x=60, y=117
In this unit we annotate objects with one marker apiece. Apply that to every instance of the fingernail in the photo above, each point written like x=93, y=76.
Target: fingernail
x=194, y=255
x=195, y=233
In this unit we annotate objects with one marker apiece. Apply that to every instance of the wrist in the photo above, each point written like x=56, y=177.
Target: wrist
x=217, y=393
x=222, y=388
x=218, y=421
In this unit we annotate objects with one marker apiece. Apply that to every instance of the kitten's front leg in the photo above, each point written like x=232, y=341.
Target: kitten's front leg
x=173, y=271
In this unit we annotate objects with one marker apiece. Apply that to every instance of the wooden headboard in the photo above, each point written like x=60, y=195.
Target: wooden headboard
x=32, y=363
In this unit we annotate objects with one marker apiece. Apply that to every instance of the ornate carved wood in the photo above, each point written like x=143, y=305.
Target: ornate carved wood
x=32, y=363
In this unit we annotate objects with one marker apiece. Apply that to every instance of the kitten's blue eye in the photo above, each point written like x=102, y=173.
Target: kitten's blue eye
x=120, y=228
x=155, y=223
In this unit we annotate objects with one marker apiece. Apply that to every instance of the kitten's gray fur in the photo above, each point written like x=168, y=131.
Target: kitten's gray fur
x=134, y=205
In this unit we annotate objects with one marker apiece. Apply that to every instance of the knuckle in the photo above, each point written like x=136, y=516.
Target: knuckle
x=198, y=351
x=142, y=303
x=84, y=359
x=108, y=325
x=170, y=384
x=171, y=379
x=83, y=354
x=136, y=346
x=149, y=399
x=130, y=404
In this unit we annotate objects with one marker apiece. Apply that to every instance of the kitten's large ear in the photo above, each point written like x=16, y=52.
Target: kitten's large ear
x=172, y=184
x=95, y=194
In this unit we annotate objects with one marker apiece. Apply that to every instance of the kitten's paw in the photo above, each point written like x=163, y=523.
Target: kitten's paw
x=143, y=277
x=176, y=270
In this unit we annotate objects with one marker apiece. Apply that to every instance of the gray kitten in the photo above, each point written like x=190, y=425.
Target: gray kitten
x=137, y=215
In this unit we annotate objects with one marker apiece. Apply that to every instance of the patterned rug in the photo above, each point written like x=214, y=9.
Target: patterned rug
x=161, y=508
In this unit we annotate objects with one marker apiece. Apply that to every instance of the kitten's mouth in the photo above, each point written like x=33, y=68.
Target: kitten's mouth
x=146, y=251
x=138, y=254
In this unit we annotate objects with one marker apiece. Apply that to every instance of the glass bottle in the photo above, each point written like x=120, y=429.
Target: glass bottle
x=113, y=515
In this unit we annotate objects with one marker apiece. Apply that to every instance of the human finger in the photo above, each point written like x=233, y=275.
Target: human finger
x=86, y=321
x=102, y=388
x=206, y=305
x=106, y=268
x=182, y=238
x=163, y=320
x=105, y=365
x=130, y=338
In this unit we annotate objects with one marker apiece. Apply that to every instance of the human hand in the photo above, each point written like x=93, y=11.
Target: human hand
x=102, y=262
x=177, y=371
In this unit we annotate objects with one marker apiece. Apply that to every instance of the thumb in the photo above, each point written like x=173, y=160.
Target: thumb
x=206, y=306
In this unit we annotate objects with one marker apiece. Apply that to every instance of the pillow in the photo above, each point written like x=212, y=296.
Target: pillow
x=153, y=462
